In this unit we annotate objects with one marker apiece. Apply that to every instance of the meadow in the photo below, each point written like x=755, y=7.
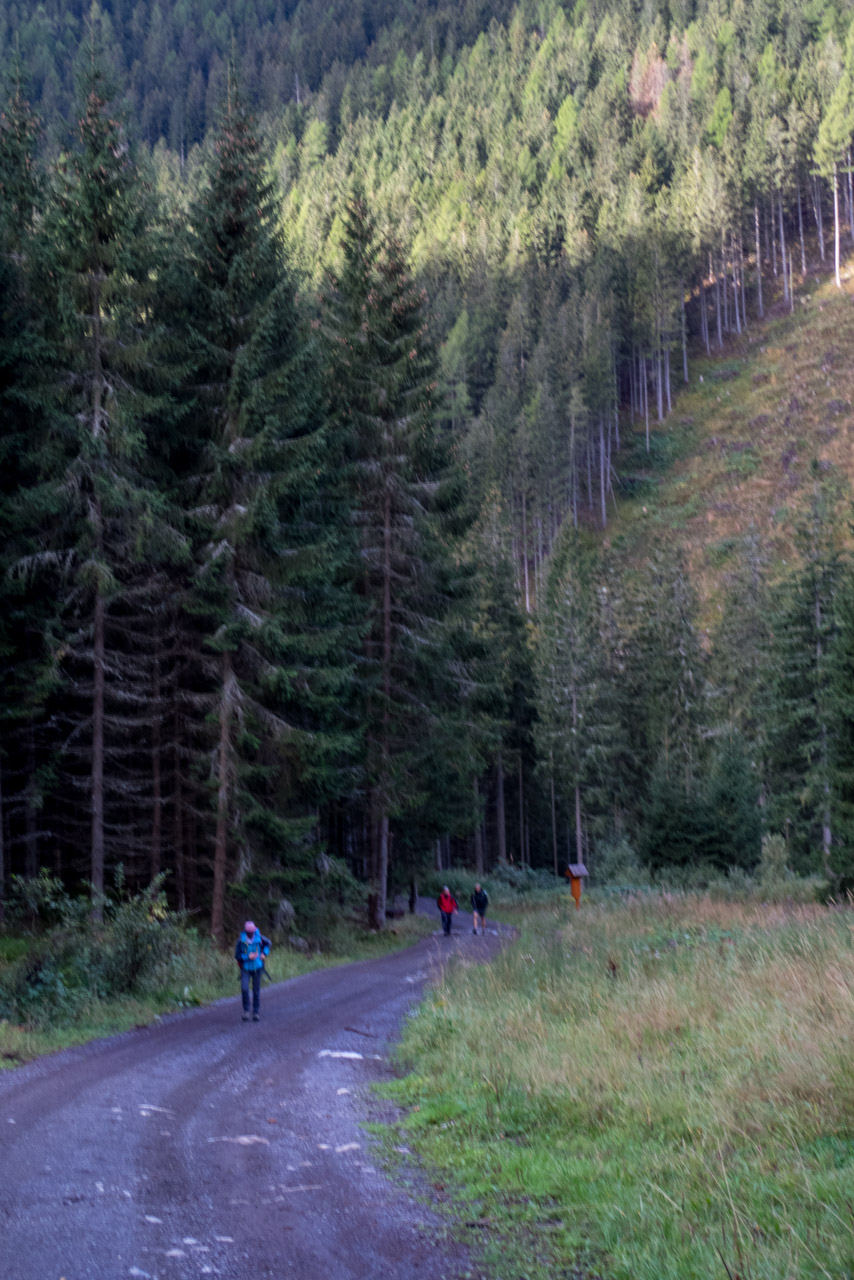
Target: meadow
x=658, y=1087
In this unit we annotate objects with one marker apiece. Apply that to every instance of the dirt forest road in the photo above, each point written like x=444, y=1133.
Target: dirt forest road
x=206, y=1146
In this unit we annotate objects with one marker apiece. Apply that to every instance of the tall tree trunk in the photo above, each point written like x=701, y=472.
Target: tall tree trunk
x=380, y=887
x=801, y=233
x=478, y=834
x=180, y=871
x=645, y=389
x=819, y=216
x=723, y=285
x=221, y=838
x=717, y=284
x=683, y=331
x=521, y=810
x=603, y=507
x=783, y=249
x=31, y=840
x=2, y=852
x=850, y=195
x=579, y=849
x=836, y=227
x=771, y=223
x=758, y=261
x=97, y=869
x=704, y=317
x=735, y=300
x=554, y=821
x=525, y=551
x=156, y=785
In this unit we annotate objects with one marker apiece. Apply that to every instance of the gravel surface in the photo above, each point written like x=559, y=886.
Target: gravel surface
x=206, y=1146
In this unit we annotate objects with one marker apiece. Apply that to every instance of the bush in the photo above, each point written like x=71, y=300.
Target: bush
x=510, y=881
x=133, y=951
x=617, y=865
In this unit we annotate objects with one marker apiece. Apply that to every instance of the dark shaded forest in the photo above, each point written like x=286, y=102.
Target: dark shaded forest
x=321, y=377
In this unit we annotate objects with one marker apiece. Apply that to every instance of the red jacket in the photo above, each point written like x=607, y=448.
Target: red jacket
x=446, y=902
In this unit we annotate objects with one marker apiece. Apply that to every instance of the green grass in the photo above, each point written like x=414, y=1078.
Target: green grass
x=658, y=1090
x=198, y=976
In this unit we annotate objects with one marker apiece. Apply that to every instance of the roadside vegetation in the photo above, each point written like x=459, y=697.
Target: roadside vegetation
x=657, y=1087
x=66, y=978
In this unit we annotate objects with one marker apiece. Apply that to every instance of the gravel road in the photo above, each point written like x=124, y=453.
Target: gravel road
x=206, y=1146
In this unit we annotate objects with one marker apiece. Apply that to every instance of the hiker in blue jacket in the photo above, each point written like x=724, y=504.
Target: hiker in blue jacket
x=249, y=953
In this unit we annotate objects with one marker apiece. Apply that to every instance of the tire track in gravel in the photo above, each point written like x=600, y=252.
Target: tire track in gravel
x=206, y=1146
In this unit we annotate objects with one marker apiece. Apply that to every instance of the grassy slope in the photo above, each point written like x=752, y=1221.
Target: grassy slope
x=737, y=450
x=200, y=976
x=662, y=1090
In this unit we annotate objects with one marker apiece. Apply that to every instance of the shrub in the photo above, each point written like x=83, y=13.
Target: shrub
x=618, y=865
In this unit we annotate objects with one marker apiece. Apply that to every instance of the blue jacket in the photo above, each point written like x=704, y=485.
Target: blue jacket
x=250, y=953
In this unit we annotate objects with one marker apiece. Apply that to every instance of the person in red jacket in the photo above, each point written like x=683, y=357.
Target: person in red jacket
x=447, y=904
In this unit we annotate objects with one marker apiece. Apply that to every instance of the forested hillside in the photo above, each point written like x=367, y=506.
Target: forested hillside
x=332, y=446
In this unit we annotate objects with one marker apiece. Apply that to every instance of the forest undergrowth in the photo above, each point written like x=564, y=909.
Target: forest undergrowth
x=660, y=1087
x=66, y=979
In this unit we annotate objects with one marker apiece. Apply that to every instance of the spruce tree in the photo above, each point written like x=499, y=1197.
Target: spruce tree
x=263, y=593
x=404, y=499
x=101, y=525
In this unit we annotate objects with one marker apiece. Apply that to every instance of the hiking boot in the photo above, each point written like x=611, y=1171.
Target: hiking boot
x=245, y=1017
x=256, y=1017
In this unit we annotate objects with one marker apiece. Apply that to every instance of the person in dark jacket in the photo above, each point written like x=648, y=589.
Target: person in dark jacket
x=479, y=903
x=249, y=953
x=447, y=904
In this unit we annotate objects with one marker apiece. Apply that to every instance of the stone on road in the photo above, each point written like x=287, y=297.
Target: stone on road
x=206, y=1146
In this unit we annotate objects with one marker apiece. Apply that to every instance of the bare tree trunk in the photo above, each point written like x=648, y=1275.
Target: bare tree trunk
x=783, y=249
x=704, y=317
x=602, y=473
x=850, y=196
x=97, y=870
x=2, y=854
x=222, y=804
x=554, y=822
x=521, y=811
x=156, y=785
x=836, y=227
x=500, y=819
x=683, y=331
x=31, y=841
x=645, y=389
x=579, y=850
x=525, y=551
x=742, y=274
x=791, y=281
x=758, y=261
x=478, y=834
x=735, y=284
x=717, y=305
x=180, y=871
x=723, y=285
x=819, y=216
x=659, y=386
x=379, y=888
x=801, y=232
x=773, y=239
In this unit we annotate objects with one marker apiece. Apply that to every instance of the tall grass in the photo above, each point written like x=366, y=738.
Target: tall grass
x=667, y=1085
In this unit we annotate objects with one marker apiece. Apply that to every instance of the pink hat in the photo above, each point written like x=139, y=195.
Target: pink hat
x=249, y=927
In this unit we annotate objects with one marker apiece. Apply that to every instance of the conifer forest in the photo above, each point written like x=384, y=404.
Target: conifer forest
x=340, y=346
